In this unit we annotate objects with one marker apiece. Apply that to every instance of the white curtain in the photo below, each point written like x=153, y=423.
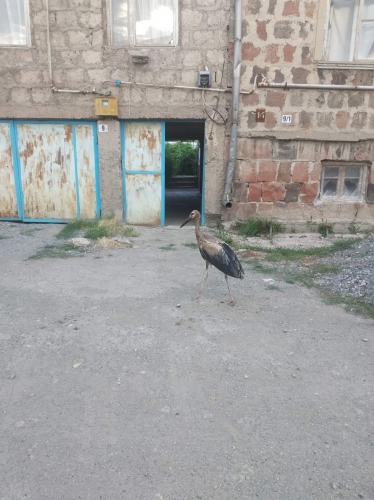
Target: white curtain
x=12, y=22
x=155, y=22
x=343, y=23
x=120, y=22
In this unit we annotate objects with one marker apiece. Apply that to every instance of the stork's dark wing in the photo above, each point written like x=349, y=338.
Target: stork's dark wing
x=222, y=256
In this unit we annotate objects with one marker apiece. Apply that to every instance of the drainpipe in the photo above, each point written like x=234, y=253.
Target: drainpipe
x=235, y=102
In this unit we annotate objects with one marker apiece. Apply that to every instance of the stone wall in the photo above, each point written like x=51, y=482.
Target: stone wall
x=279, y=165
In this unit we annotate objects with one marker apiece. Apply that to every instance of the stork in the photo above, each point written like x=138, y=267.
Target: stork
x=217, y=253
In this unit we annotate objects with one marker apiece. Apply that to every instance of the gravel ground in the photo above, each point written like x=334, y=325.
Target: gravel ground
x=356, y=270
x=114, y=384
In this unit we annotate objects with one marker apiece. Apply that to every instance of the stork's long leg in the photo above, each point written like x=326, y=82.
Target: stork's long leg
x=204, y=280
x=231, y=301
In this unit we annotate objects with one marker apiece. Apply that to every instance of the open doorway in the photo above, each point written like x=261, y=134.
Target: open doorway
x=184, y=176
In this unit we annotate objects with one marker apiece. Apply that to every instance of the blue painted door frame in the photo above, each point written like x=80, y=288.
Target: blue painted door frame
x=17, y=166
x=163, y=193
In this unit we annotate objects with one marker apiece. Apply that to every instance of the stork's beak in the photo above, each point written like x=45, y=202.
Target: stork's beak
x=185, y=222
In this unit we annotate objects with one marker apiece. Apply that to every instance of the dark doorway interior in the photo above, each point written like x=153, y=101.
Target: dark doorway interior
x=184, y=169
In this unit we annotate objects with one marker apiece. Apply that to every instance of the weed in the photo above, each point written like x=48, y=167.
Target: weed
x=293, y=230
x=69, y=230
x=273, y=287
x=224, y=237
x=3, y=237
x=64, y=251
x=191, y=245
x=168, y=247
x=31, y=231
x=130, y=231
x=94, y=233
x=353, y=228
x=105, y=227
x=353, y=304
x=255, y=226
x=324, y=228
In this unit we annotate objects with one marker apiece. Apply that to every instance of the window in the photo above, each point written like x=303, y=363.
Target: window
x=351, y=30
x=143, y=22
x=14, y=22
x=343, y=181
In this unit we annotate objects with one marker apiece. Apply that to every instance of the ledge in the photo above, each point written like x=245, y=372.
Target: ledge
x=345, y=65
x=311, y=135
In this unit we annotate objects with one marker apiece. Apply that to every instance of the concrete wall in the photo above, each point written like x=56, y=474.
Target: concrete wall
x=82, y=59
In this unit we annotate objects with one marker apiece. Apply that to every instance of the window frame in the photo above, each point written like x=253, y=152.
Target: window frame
x=132, y=31
x=26, y=4
x=327, y=37
x=362, y=183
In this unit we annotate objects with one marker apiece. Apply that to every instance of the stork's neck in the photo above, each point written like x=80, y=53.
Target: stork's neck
x=198, y=230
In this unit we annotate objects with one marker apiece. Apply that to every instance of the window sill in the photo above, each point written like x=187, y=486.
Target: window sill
x=24, y=47
x=327, y=199
x=345, y=65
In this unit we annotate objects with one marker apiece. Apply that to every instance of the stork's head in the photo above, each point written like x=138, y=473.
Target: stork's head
x=195, y=214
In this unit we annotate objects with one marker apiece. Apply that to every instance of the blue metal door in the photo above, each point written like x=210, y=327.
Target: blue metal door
x=143, y=161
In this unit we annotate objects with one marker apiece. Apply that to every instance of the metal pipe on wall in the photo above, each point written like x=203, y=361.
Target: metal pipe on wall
x=49, y=46
x=285, y=86
x=235, y=102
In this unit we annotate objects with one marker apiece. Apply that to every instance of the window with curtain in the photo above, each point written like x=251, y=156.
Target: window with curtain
x=14, y=22
x=351, y=30
x=144, y=22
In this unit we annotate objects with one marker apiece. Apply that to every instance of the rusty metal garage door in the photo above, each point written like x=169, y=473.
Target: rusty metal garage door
x=8, y=182
x=143, y=160
x=55, y=171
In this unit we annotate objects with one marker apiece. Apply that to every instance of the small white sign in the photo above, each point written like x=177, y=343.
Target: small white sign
x=103, y=128
x=286, y=118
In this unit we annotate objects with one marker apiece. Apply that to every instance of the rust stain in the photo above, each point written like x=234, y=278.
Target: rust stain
x=28, y=151
x=68, y=132
x=58, y=159
x=149, y=137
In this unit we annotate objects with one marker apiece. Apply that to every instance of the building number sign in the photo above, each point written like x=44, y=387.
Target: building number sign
x=286, y=118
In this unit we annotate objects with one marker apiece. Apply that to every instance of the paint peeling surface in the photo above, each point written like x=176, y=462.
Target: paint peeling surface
x=143, y=199
x=46, y=153
x=86, y=171
x=143, y=146
x=8, y=196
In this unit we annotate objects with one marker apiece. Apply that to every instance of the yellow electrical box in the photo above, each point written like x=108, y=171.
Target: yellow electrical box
x=106, y=106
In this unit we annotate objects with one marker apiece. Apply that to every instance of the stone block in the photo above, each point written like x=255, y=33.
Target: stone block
x=248, y=171
x=291, y=8
x=273, y=191
x=262, y=148
x=292, y=192
x=288, y=52
x=255, y=191
x=283, y=29
x=264, y=209
x=267, y=171
x=246, y=210
x=359, y=120
x=315, y=173
x=249, y=51
x=363, y=151
x=240, y=191
x=300, y=171
x=275, y=99
x=270, y=120
x=308, y=192
x=244, y=149
x=286, y=150
x=370, y=194
x=284, y=171
x=261, y=30
x=342, y=119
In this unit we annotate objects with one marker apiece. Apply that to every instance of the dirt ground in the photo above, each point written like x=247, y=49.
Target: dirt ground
x=116, y=385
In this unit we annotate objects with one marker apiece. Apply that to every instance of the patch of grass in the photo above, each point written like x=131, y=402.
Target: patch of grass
x=273, y=287
x=303, y=277
x=191, y=245
x=3, y=237
x=322, y=268
x=130, y=231
x=255, y=226
x=72, y=227
x=358, y=305
x=324, y=228
x=256, y=265
x=353, y=228
x=224, y=237
x=31, y=231
x=94, y=233
x=64, y=251
x=105, y=227
x=168, y=247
